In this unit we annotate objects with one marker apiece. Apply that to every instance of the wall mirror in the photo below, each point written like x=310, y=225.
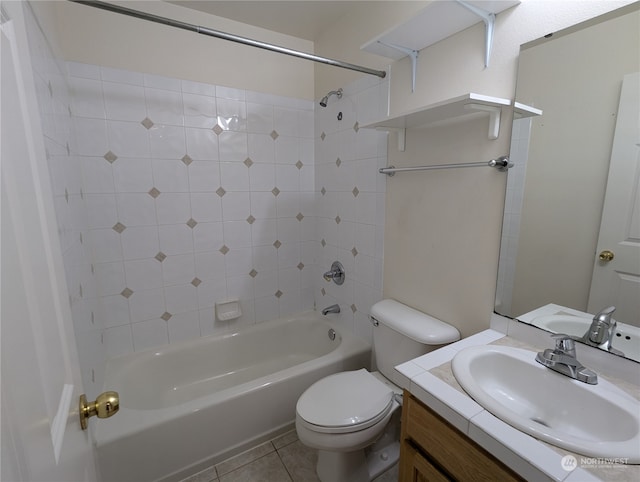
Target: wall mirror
x=571, y=233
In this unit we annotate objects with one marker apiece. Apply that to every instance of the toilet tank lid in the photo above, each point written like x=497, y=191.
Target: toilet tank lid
x=413, y=323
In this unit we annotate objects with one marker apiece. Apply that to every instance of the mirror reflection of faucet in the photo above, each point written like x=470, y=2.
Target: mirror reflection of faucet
x=602, y=331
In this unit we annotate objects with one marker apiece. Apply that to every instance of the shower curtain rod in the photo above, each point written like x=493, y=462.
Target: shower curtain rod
x=227, y=36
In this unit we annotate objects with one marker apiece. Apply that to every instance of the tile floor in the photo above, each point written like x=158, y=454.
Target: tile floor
x=283, y=459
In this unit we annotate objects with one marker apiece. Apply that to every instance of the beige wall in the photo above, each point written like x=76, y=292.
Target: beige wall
x=443, y=228
x=342, y=41
x=576, y=80
x=104, y=38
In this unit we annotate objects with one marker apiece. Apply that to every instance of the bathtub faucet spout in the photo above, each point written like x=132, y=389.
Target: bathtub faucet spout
x=331, y=309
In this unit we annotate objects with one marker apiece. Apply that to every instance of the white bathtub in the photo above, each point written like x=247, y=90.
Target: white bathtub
x=187, y=406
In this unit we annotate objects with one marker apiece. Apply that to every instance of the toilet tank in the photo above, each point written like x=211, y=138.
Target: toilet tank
x=403, y=333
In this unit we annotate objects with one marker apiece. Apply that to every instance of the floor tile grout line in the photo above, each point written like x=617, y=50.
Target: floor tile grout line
x=283, y=462
x=249, y=462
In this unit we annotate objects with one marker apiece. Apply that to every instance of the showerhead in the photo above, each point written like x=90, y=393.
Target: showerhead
x=325, y=99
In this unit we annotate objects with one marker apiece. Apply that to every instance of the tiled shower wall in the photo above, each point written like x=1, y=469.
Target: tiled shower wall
x=350, y=200
x=65, y=168
x=171, y=195
x=195, y=194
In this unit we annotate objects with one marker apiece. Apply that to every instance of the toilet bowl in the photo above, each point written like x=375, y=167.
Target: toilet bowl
x=352, y=418
x=343, y=414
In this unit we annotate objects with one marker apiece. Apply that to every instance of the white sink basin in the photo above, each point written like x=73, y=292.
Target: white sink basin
x=593, y=420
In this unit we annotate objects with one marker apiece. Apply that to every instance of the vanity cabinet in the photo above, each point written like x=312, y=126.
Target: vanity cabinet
x=433, y=450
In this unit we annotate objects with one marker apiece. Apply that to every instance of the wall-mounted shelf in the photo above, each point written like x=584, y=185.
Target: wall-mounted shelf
x=435, y=22
x=449, y=109
x=521, y=111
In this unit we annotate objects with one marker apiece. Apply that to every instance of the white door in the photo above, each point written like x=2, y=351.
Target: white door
x=41, y=435
x=617, y=281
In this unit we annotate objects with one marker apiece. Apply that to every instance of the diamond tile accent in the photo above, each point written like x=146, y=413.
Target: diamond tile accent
x=322, y=136
x=323, y=292
x=166, y=316
x=186, y=159
x=126, y=293
x=338, y=162
x=274, y=135
x=110, y=156
x=323, y=243
x=248, y=162
x=299, y=165
x=224, y=249
x=299, y=217
x=356, y=127
x=220, y=191
x=154, y=193
x=253, y=273
x=323, y=191
x=275, y=191
x=353, y=308
x=354, y=251
x=300, y=266
x=196, y=282
x=192, y=223
x=338, y=219
x=277, y=244
x=278, y=294
x=119, y=227
x=160, y=256
x=251, y=219
x=148, y=123
x=218, y=130
x=355, y=191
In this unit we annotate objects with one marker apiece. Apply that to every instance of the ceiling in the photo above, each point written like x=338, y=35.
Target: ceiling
x=302, y=19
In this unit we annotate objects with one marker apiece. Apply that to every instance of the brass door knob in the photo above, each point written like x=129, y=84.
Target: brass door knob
x=606, y=256
x=106, y=405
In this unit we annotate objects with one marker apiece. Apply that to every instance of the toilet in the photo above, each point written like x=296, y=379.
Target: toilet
x=352, y=418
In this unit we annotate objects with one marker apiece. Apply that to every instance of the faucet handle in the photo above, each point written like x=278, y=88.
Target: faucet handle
x=565, y=344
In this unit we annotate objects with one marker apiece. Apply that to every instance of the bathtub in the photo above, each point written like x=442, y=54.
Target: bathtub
x=187, y=406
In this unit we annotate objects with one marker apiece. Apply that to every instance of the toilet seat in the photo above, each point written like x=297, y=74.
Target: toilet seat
x=344, y=402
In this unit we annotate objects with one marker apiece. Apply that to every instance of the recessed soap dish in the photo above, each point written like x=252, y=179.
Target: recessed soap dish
x=228, y=310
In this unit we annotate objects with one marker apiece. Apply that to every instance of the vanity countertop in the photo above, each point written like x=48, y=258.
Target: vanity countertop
x=430, y=379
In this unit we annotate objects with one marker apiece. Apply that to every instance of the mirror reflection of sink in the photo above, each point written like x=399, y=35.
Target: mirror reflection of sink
x=626, y=339
x=567, y=324
x=593, y=420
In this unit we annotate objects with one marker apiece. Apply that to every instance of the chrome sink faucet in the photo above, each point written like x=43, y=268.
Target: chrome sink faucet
x=562, y=359
x=602, y=330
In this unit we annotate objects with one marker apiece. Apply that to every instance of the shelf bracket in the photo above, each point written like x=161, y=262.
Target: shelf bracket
x=489, y=20
x=494, y=117
x=413, y=55
x=402, y=135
